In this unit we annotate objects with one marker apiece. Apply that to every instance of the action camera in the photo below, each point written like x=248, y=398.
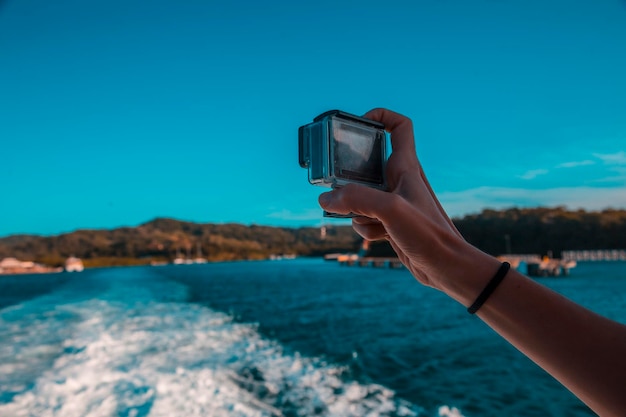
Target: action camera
x=339, y=148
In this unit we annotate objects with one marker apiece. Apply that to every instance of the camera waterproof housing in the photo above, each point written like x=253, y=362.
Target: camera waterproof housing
x=339, y=148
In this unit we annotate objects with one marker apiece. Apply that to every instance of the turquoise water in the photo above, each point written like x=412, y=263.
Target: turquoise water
x=288, y=338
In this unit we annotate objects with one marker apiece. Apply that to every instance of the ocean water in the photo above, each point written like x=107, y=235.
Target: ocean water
x=286, y=338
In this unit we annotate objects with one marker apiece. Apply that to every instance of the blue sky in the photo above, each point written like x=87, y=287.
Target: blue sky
x=116, y=112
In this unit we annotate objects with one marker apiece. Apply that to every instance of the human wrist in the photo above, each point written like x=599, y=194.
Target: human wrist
x=466, y=271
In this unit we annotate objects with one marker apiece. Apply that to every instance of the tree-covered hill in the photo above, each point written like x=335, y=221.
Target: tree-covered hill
x=164, y=239
x=532, y=230
x=543, y=230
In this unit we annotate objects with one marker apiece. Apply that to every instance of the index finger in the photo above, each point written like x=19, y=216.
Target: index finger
x=400, y=127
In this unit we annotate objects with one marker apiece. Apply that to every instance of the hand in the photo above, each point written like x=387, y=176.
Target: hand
x=408, y=215
x=581, y=349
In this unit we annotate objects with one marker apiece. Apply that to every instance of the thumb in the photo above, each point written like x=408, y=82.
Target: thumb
x=358, y=199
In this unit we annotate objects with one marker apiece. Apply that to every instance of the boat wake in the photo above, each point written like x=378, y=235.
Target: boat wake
x=128, y=352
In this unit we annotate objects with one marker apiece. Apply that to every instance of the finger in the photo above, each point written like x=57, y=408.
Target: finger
x=360, y=200
x=403, y=142
x=365, y=220
x=400, y=127
x=374, y=231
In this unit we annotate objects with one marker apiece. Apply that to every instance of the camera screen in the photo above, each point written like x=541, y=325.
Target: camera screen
x=358, y=153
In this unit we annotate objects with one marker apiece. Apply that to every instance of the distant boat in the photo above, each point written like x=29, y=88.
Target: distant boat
x=179, y=260
x=199, y=259
x=73, y=264
x=276, y=257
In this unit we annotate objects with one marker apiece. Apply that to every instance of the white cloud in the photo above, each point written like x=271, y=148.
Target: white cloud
x=575, y=164
x=617, y=158
x=288, y=215
x=474, y=200
x=533, y=173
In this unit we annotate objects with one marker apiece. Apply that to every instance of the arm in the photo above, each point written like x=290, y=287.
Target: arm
x=584, y=351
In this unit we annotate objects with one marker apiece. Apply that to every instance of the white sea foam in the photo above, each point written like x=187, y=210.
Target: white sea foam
x=126, y=354
x=445, y=411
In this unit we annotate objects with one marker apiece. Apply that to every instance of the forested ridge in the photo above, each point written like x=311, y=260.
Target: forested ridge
x=543, y=230
x=529, y=230
x=164, y=239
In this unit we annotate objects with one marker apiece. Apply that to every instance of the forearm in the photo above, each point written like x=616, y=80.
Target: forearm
x=584, y=351
x=581, y=349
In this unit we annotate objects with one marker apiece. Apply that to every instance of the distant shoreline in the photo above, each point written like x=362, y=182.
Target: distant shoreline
x=551, y=232
x=33, y=271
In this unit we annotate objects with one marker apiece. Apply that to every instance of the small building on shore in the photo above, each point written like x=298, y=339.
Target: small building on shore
x=15, y=266
x=73, y=264
x=9, y=265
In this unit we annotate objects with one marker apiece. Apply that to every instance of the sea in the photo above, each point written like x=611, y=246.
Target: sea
x=302, y=337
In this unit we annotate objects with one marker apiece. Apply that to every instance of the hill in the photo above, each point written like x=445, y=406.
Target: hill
x=534, y=230
x=542, y=230
x=163, y=239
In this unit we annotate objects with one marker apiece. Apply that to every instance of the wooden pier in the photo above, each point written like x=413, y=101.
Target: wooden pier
x=536, y=266
x=595, y=255
x=393, y=263
x=365, y=261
